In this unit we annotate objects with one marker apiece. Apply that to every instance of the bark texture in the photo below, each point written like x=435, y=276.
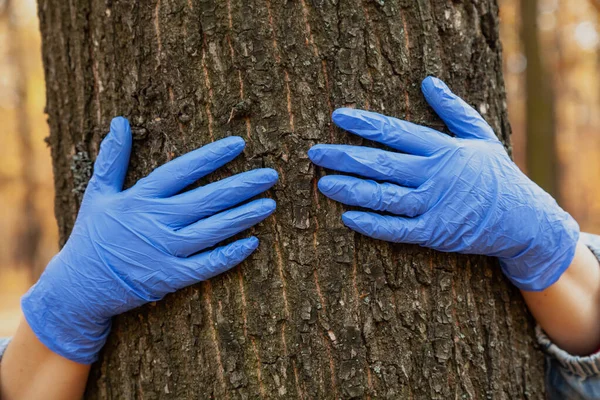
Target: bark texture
x=318, y=311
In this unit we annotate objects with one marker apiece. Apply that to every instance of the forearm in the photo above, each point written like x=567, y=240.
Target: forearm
x=29, y=370
x=569, y=310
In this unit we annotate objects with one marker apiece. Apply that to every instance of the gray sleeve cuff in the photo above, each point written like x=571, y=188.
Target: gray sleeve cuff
x=584, y=367
x=3, y=345
x=592, y=242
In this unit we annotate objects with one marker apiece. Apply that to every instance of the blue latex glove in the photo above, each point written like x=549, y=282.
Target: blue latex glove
x=134, y=246
x=455, y=194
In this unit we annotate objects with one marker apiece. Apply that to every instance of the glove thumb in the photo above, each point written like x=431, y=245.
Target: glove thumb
x=111, y=164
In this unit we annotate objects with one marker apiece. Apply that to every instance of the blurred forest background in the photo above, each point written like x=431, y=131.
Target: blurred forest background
x=552, y=73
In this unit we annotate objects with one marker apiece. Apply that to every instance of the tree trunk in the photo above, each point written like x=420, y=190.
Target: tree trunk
x=317, y=311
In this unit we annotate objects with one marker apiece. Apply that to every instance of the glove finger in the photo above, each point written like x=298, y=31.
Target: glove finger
x=403, y=169
x=461, y=118
x=176, y=175
x=204, y=266
x=212, y=230
x=188, y=207
x=385, y=197
x=400, y=135
x=111, y=164
x=383, y=227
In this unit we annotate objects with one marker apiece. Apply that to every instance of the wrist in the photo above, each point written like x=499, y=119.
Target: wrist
x=64, y=323
x=547, y=256
x=32, y=371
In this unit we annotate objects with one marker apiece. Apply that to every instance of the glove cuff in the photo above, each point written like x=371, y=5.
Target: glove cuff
x=546, y=259
x=61, y=329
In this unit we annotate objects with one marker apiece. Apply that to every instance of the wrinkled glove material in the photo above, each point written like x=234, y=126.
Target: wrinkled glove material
x=454, y=194
x=130, y=247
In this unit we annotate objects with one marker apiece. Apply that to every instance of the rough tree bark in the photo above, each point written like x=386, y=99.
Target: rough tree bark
x=318, y=311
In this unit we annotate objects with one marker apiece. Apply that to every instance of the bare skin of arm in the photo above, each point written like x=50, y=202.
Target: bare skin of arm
x=569, y=310
x=29, y=370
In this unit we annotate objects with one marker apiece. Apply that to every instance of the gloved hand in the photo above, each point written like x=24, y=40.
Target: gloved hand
x=134, y=246
x=455, y=194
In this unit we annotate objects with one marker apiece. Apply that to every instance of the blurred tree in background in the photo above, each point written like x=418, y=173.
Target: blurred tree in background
x=568, y=52
x=541, y=159
x=28, y=231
